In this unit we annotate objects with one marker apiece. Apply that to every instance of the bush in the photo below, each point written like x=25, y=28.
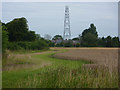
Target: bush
x=4, y=39
x=39, y=45
x=35, y=45
x=14, y=46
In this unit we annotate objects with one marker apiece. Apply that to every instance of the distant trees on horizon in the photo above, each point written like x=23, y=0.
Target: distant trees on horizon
x=89, y=38
x=16, y=36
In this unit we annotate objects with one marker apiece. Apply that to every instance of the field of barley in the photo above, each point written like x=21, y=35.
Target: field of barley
x=106, y=57
x=61, y=68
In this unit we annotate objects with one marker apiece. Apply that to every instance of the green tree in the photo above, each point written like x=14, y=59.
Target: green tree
x=101, y=42
x=20, y=37
x=31, y=36
x=115, y=42
x=89, y=37
x=108, y=41
x=18, y=30
x=57, y=37
x=39, y=44
x=75, y=38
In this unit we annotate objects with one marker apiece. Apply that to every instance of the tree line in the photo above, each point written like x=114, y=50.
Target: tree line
x=89, y=38
x=17, y=36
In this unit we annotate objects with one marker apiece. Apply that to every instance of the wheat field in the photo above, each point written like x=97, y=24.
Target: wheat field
x=105, y=57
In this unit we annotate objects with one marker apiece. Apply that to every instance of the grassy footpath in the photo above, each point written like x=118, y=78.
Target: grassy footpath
x=44, y=71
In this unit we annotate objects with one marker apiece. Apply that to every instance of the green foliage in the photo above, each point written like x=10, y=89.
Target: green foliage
x=14, y=46
x=58, y=41
x=57, y=37
x=20, y=38
x=34, y=45
x=50, y=43
x=4, y=39
x=101, y=42
x=115, y=42
x=108, y=42
x=39, y=45
x=89, y=40
x=31, y=36
x=75, y=38
x=18, y=30
x=89, y=37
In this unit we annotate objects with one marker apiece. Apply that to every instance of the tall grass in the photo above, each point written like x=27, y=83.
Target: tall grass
x=63, y=77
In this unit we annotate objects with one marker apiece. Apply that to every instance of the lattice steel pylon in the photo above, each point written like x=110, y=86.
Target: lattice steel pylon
x=67, y=33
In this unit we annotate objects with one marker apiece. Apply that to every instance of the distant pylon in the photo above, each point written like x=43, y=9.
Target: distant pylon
x=66, y=34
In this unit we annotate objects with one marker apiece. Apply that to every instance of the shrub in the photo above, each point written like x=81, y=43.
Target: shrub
x=21, y=45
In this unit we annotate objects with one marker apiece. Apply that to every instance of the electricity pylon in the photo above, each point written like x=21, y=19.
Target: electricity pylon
x=66, y=34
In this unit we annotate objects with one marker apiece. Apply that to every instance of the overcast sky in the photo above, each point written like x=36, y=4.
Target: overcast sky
x=48, y=17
